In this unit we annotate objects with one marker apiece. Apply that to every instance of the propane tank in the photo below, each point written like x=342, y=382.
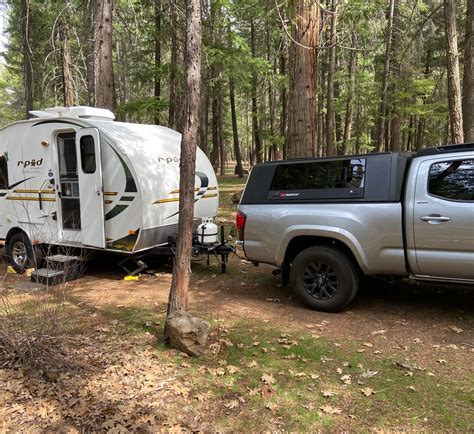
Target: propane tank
x=207, y=231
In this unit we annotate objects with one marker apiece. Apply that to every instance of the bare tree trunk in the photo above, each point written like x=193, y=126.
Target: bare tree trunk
x=27, y=66
x=215, y=130
x=330, y=132
x=386, y=74
x=235, y=132
x=255, y=126
x=89, y=38
x=173, y=67
x=69, y=97
x=468, y=83
x=283, y=92
x=350, y=93
x=204, y=128
x=157, y=78
x=302, y=98
x=104, y=74
x=396, y=74
x=178, y=299
x=454, y=82
x=221, y=139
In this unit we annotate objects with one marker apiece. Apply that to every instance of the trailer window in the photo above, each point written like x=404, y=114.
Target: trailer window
x=88, y=154
x=3, y=173
x=453, y=180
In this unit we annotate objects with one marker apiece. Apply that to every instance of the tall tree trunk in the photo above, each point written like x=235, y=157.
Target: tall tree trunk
x=330, y=127
x=396, y=74
x=221, y=139
x=104, y=75
x=255, y=126
x=178, y=299
x=89, y=46
x=69, y=97
x=454, y=83
x=302, y=127
x=350, y=93
x=235, y=132
x=27, y=65
x=386, y=75
x=204, y=127
x=215, y=129
x=468, y=84
x=157, y=78
x=173, y=67
x=283, y=90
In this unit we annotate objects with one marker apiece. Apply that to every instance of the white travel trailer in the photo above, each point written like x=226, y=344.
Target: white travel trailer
x=75, y=177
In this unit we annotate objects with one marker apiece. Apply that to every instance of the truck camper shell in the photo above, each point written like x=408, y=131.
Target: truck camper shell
x=75, y=177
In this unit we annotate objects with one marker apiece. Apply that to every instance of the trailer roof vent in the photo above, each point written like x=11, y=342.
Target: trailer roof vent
x=75, y=112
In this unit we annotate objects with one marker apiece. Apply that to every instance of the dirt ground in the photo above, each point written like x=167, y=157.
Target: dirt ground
x=423, y=325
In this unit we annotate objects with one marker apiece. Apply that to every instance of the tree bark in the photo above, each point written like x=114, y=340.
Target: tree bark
x=69, y=97
x=27, y=64
x=221, y=139
x=157, y=78
x=302, y=128
x=255, y=123
x=350, y=93
x=215, y=129
x=283, y=92
x=331, y=149
x=89, y=45
x=454, y=83
x=386, y=74
x=173, y=67
x=235, y=132
x=178, y=299
x=468, y=83
x=103, y=66
x=396, y=75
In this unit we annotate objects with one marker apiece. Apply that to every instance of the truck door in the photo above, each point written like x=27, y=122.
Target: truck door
x=443, y=219
x=90, y=187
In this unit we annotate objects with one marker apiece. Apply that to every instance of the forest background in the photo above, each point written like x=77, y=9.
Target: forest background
x=280, y=78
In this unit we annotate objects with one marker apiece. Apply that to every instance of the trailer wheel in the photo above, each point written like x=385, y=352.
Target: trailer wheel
x=20, y=252
x=324, y=278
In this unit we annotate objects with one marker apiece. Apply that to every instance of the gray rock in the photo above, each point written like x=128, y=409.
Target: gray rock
x=187, y=333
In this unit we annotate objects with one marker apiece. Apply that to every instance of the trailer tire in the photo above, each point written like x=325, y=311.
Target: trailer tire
x=20, y=253
x=324, y=278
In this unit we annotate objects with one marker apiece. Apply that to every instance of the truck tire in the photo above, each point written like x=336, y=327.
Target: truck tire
x=324, y=278
x=20, y=253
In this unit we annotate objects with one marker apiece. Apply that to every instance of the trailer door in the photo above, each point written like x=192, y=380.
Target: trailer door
x=91, y=190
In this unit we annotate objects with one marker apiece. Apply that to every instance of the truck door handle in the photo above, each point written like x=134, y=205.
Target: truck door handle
x=434, y=217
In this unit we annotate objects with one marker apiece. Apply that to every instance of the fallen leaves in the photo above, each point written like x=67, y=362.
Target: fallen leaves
x=268, y=379
x=328, y=393
x=330, y=410
x=456, y=329
x=367, y=391
x=346, y=379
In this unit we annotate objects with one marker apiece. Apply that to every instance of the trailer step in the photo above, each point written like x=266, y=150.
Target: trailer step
x=59, y=269
x=47, y=277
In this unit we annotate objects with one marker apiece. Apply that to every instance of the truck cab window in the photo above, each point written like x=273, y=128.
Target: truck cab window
x=88, y=154
x=3, y=173
x=453, y=180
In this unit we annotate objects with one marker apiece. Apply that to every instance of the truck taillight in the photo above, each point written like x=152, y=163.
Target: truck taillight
x=240, y=224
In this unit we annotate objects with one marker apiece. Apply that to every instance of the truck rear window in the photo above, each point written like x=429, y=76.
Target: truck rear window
x=337, y=179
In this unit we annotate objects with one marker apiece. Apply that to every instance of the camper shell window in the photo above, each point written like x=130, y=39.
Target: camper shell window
x=3, y=173
x=336, y=179
x=88, y=154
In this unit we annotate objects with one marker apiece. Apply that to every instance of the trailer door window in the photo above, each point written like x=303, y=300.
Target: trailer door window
x=3, y=173
x=88, y=154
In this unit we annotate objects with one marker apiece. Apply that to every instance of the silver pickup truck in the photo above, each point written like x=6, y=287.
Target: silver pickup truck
x=325, y=222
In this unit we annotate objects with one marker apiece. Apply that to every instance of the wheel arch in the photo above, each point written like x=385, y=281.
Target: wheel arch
x=14, y=231
x=302, y=242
